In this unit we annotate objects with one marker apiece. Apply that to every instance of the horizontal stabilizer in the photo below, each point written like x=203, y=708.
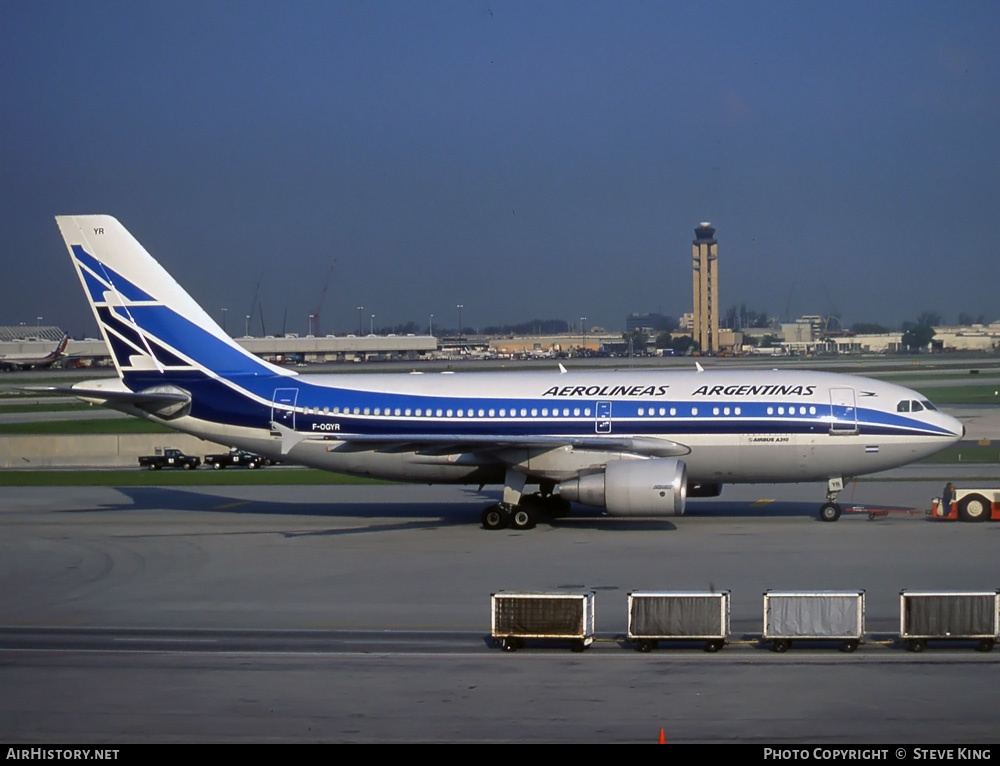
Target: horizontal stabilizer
x=163, y=401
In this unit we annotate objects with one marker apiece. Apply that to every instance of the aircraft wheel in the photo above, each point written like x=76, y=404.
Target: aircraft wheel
x=494, y=518
x=523, y=518
x=973, y=508
x=829, y=512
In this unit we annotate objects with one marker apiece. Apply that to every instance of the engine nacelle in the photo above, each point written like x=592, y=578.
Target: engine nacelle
x=654, y=487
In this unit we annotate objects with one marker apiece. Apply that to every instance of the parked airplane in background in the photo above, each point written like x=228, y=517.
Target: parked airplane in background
x=29, y=362
x=636, y=443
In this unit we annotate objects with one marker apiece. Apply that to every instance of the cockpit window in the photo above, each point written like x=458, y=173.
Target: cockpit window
x=917, y=406
x=927, y=404
x=903, y=406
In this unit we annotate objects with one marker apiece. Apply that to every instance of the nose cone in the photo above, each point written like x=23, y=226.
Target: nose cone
x=954, y=426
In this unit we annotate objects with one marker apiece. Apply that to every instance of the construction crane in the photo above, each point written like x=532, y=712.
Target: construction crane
x=314, y=316
x=255, y=306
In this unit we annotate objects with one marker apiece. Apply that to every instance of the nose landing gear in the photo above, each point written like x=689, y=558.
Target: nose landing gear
x=830, y=510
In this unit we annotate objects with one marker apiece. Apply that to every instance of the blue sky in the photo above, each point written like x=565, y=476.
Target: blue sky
x=524, y=159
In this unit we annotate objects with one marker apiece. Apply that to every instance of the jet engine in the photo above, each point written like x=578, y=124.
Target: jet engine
x=653, y=487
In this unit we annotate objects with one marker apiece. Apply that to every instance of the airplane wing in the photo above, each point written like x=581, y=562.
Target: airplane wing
x=443, y=444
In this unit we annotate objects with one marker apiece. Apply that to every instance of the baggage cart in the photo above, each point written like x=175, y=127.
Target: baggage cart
x=815, y=616
x=949, y=615
x=547, y=616
x=655, y=616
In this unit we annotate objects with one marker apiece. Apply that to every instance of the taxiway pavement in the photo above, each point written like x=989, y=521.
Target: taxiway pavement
x=362, y=614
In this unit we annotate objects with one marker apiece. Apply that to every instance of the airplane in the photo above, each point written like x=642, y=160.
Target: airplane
x=633, y=442
x=29, y=362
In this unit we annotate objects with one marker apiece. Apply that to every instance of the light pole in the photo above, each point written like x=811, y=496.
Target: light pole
x=246, y=328
x=224, y=310
x=583, y=332
x=430, y=326
x=372, y=330
x=38, y=322
x=460, y=306
x=360, y=309
x=312, y=320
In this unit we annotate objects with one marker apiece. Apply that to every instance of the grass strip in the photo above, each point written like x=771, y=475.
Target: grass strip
x=177, y=478
x=84, y=427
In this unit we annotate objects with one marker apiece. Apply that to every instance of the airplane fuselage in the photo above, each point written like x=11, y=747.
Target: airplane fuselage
x=729, y=426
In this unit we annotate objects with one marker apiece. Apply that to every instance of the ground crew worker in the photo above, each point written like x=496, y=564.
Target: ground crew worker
x=947, y=496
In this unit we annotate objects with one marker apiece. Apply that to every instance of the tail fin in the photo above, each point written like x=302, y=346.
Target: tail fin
x=60, y=351
x=149, y=322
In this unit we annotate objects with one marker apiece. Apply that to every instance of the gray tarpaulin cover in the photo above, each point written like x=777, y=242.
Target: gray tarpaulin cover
x=677, y=616
x=813, y=615
x=553, y=616
x=950, y=614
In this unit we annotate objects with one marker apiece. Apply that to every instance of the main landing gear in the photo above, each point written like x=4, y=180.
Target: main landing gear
x=519, y=511
x=504, y=515
x=830, y=510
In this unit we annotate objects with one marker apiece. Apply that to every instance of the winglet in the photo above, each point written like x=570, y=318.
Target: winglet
x=698, y=365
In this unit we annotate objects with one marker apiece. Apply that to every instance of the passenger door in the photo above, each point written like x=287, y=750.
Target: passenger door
x=602, y=422
x=283, y=406
x=844, y=411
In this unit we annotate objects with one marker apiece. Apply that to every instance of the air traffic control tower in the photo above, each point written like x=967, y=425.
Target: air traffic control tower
x=705, y=263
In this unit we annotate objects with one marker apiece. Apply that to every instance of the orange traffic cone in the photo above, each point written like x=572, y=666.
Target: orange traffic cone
x=663, y=737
